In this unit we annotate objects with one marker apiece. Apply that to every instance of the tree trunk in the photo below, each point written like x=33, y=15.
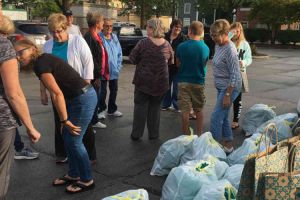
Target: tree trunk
x=143, y=23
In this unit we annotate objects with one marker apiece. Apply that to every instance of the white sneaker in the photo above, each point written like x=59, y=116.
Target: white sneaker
x=102, y=115
x=99, y=125
x=116, y=114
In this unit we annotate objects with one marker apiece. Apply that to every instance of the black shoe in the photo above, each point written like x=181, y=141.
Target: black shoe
x=134, y=138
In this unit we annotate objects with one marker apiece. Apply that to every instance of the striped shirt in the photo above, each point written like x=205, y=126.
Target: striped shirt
x=226, y=69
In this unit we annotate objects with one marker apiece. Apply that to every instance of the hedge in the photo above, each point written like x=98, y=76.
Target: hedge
x=258, y=34
x=264, y=35
x=288, y=36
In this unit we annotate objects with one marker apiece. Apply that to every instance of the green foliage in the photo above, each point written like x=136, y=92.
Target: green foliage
x=45, y=8
x=275, y=13
x=253, y=35
x=288, y=36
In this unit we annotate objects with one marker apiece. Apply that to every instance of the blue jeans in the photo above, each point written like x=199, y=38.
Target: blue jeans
x=219, y=121
x=80, y=111
x=171, y=95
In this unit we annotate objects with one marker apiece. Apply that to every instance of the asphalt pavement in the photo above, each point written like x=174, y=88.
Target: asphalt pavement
x=124, y=164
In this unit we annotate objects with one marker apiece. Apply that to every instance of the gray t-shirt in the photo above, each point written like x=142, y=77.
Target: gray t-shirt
x=7, y=116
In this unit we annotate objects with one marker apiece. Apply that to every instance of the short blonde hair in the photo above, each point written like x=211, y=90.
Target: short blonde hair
x=220, y=26
x=157, y=26
x=92, y=18
x=7, y=26
x=57, y=21
x=197, y=28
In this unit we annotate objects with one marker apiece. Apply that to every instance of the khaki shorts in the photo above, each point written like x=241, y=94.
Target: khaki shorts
x=191, y=95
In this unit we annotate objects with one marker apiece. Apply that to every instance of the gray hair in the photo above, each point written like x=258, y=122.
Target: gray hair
x=157, y=26
x=220, y=26
x=92, y=18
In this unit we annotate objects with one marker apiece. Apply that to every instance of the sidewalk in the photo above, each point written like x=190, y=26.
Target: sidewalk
x=123, y=164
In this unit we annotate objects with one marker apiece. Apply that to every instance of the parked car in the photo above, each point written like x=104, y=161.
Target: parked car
x=207, y=39
x=128, y=37
x=37, y=32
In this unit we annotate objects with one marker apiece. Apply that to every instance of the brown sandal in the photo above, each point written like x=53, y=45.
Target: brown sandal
x=64, y=180
x=235, y=125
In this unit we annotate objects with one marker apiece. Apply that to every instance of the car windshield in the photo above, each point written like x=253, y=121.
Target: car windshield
x=34, y=28
x=130, y=31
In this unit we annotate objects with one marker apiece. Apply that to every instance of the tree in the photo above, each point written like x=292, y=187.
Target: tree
x=65, y=4
x=274, y=13
x=148, y=8
x=223, y=8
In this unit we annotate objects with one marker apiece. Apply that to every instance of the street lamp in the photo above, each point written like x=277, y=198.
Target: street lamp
x=155, y=10
x=234, y=15
x=197, y=12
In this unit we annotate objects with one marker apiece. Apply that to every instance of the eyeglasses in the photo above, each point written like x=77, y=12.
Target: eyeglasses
x=214, y=35
x=20, y=52
x=108, y=26
x=57, y=31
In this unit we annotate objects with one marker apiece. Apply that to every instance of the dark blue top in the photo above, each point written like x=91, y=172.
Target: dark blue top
x=193, y=56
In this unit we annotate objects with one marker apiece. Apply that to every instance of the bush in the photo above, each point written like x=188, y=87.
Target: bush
x=253, y=35
x=287, y=36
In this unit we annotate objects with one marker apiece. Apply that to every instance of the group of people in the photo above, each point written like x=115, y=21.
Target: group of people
x=171, y=67
x=76, y=70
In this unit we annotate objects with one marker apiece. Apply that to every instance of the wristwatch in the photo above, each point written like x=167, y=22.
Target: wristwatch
x=227, y=94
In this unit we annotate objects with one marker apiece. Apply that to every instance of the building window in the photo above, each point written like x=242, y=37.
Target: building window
x=244, y=24
x=297, y=27
x=187, y=8
x=186, y=21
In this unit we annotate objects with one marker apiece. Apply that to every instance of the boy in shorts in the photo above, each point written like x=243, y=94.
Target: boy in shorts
x=192, y=57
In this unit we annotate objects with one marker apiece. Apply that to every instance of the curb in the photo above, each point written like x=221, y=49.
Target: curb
x=261, y=57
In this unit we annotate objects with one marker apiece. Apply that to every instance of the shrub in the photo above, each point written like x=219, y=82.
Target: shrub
x=287, y=36
x=258, y=34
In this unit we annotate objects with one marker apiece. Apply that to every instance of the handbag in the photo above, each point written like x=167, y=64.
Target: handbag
x=245, y=83
x=274, y=160
x=281, y=185
x=246, y=190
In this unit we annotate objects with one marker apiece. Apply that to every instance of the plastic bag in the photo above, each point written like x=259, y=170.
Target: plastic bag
x=170, y=153
x=256, y=116
x=249, y=146
x=219, y=190
x=205, y=144
x=185, y=181
x=298, y=106
x=284, y=124
x=139, y=194
x=233, y=175
x=220, y=166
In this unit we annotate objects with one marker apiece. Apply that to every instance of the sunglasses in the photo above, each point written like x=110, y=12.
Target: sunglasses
x=20, y=52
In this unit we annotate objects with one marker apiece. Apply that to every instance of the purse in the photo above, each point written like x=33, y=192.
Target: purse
x=281, y=185
x=249, y=178
x=274, y=160
x=245, y=83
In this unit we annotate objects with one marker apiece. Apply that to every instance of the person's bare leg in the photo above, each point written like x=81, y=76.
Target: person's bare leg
x=199, y=122
x=185, y=122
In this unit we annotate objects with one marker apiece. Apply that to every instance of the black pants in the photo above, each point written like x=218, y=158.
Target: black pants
x=19, y=145
x=88, y=139
x=146, y=108
x=113, y=90
x=237, y=108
